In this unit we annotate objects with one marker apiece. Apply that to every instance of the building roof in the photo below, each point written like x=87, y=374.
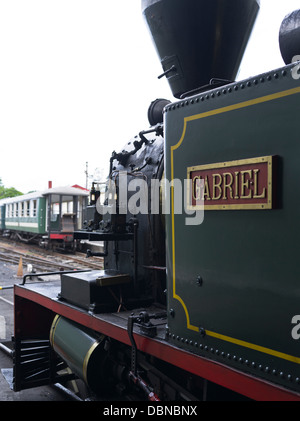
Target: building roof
x=66, y=190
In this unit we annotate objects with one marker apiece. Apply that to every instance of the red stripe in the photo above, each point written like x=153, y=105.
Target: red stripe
x=227, y=377
x=61, y=236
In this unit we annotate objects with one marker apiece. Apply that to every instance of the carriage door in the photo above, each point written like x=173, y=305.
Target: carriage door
x=68, y=213
x=54, y=213
x=62, y=213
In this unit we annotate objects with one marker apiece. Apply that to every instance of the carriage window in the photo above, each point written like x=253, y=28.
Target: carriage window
x=21, y=208
x=27, y=208
x=66, y=204
x=33, y=208
x=54, y=204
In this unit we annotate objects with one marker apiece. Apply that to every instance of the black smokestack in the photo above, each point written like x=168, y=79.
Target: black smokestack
x=197, y=40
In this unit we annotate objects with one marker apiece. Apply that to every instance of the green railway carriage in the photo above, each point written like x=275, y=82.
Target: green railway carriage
x=47, y=217
x=26, y=214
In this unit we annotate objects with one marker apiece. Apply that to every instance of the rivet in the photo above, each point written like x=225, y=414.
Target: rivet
x=269, y=78
x=284, y=73
x=206, y=347
x=281, y=374
x=262, y=79
x=223, y=354
x=253, y=364
x=297, y=380
x=242, y=86
x=260, y=367
x=249, y=84
x=217, y=352
x=236, y=88
x=201, y=346
x=267, y=370
x=247, y=362
x=212, y=350
x=241, y=360
x=172, y=312
x=228, y=356
x=289, y=377
x=234, y=358
x=199, y=281
x=274, y=372
x=276, y=75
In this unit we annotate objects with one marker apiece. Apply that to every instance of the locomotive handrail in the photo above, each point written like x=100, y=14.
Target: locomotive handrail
x=52, y=273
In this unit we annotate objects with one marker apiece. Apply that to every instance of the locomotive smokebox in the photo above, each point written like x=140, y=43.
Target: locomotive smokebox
x=199, y=40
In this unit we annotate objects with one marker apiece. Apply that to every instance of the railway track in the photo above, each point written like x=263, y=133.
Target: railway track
x=46, y=261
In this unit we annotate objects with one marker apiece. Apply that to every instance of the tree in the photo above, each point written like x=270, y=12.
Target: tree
x=8, y=192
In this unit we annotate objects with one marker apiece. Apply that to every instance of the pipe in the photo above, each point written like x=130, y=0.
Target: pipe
x=67, y=392
x=52, y=273
x=7, y=350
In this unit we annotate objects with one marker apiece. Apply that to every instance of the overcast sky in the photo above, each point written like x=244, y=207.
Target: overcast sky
x=76, y=80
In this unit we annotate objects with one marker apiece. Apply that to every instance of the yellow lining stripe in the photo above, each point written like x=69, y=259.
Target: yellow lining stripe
x=254, y=347
x=234, y=107
x=173, y=148
x=53, y=328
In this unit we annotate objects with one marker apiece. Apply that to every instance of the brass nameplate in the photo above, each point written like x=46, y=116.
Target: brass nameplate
x=243, y=184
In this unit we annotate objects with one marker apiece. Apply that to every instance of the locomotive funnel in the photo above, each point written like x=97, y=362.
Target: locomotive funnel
x=198, y=40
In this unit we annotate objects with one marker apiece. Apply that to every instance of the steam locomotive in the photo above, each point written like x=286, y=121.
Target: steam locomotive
x=199, y=295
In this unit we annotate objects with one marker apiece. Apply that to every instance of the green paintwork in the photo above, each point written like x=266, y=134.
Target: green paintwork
x=78, y=347
x=21, y=223
x=248, y=259
x=2, y=217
